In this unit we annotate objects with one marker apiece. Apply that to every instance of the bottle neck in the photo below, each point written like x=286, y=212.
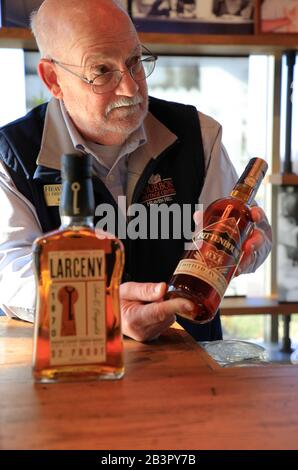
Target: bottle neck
x=75, y=221
x=244, y=193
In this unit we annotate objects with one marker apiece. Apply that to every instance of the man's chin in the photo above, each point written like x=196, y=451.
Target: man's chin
x=117, y=133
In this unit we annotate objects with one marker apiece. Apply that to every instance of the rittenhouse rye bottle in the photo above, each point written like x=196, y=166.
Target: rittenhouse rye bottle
x=204, y=273
x=77, y=326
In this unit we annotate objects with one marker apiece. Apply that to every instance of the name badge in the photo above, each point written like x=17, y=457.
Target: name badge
x=52, y=194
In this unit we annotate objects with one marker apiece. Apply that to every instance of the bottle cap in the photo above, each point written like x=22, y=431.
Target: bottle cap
x=250, y=180
x=75, y=166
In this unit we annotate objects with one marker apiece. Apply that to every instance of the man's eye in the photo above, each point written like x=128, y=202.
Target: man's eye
x=134, y=60
x=99, y=69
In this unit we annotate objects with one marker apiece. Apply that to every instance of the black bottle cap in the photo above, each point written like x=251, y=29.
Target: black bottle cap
x=75, y=166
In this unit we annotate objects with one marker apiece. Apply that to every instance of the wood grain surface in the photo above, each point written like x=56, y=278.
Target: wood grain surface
x=173, y=396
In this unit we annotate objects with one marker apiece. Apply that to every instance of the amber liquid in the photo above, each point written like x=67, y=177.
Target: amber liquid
x=205, y=297
x=78, y=239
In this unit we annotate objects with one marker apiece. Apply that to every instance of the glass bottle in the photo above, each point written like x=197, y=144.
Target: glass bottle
x=77, y=332
x=204, y=273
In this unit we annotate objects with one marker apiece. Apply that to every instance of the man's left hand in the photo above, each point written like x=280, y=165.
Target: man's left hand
x=253, y=243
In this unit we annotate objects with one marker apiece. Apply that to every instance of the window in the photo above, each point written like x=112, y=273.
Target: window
x=294, y=116
x=36, y=91
x=12, y=85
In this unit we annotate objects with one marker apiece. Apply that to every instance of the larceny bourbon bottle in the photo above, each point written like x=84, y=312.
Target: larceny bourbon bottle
x=77, y=327
x=203, y=274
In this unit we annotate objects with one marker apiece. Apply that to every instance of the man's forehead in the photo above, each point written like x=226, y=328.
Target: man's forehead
x=110, y=51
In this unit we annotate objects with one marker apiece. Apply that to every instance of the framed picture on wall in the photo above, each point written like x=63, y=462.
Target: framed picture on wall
x=194, y=16
x=277, y=16
x=125, y=3
x=16, y=14
x=1, y=13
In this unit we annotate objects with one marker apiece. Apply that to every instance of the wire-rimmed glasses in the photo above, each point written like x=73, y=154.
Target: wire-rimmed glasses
x=108, y=81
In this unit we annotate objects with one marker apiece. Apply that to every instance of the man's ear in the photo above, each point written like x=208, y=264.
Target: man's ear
x=47, y=72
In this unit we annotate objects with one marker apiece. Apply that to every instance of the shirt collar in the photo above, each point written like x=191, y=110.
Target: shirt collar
x=55, y=138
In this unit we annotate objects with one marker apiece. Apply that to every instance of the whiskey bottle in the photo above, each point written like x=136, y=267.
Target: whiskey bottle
x=204, y=273
x=77, y=332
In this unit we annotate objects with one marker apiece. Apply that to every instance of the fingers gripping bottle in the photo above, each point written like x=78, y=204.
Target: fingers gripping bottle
x=204, y=273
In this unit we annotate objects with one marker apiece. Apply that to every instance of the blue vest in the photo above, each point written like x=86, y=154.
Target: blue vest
x=180, y=169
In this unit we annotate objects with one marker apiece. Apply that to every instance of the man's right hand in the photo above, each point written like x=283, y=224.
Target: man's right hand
x=145, y=315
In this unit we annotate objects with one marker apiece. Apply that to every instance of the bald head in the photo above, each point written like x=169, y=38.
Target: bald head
x=57, y=25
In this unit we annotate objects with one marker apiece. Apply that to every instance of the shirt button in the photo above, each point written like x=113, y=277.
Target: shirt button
x=111, y=178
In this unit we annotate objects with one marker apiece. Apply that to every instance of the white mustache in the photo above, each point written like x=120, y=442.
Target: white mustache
x=124, y=102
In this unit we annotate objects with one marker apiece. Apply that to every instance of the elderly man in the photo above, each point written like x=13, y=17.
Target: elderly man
x=91, y=61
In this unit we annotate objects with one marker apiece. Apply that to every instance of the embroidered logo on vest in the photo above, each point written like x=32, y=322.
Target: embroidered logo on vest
x=158, y=191
x=52, y=193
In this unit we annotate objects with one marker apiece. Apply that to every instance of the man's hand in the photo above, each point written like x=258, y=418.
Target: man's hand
x=259, y=235
x=254, y=242
x=144, y=314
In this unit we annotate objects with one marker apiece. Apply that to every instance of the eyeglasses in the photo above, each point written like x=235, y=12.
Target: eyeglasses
x=108, y=81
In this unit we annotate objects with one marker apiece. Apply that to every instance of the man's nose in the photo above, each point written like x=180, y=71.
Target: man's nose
x=127, y=85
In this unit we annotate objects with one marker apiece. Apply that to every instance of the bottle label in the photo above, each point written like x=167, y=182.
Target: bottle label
x=217, y=255
x=76, y=307
x=196, y=268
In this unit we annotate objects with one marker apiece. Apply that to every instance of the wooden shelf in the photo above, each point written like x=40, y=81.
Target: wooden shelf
x=257, y=306
x=219, y=44
x=283, y=179
x=17, y=38
x=182, y=43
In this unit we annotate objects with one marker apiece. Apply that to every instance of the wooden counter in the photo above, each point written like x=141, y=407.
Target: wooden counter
x=173, y=396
